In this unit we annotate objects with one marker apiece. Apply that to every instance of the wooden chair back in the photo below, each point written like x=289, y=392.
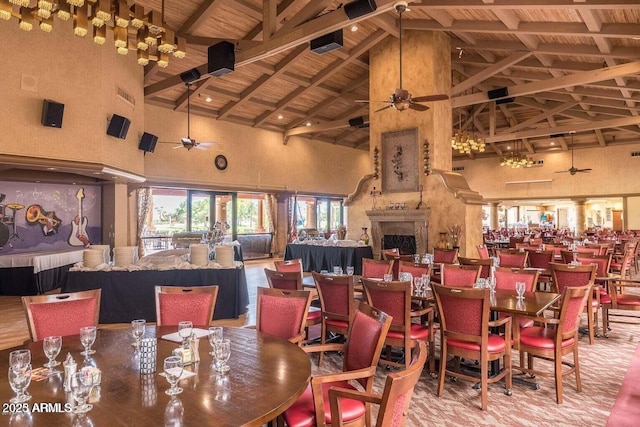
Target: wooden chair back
x=282, y=312
x=506, y=278
x=291, y=280
x=485, y=265
x=372, y=268
x=175, y=304
x=464, y=276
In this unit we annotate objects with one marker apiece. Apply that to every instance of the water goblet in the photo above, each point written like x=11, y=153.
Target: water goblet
x=416, y=258
x=520, y=287
x=173, y=371
x=52, y=347
x=87, y=338
x=81, y=384
x=19, y=380
x=350, y=270
x=481, y=283
x=137, y=330
x=492, y=284
x=185, y=328
x=387, y=277
x=173, y=413
x=417, y=286
x=426, y=283
x=215, y=336
x=20, y=357
x=336, y=269
x=222, y=352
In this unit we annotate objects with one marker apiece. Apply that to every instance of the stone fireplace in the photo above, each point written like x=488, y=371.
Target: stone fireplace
x=399, y=222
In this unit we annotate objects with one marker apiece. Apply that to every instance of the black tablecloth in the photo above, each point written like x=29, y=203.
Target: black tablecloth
x=317, y=258
x=23, y=281
x=131, y=295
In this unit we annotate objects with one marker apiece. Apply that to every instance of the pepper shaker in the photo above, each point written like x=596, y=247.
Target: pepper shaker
x=70, y=368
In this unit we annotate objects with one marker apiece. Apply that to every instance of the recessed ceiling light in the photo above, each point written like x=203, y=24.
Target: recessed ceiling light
x=308, y=123
x=208, y=99
x=280, y=117
x=508, y=147
x=51, y=169
x=354, y=28
x=553, y=143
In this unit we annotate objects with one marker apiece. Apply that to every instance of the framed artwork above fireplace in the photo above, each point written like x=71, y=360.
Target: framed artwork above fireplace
x=400, y=161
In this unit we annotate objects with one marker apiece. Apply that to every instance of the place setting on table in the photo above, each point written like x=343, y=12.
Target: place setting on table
x=114, y=375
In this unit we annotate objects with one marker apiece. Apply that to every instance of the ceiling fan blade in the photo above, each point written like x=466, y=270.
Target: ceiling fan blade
x=208, y=143
x=562, y=171
x=584, y=170
x=201, y=147
x=364, y=101
x=178, y=146
x=384, y=108
x=418, y=107
x=430, y=98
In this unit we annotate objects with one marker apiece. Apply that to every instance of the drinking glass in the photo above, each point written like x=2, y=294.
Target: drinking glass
x=336, y=269
x=185, y=328
x=87, y=338
x=417, y=286
x=416, y=258
x=215, y=336
x=481, y=283
x=426, y=283
x=387, y=277
x=81, y=385
x=492, y=284
x=137, y=330
x=19, y=380
x=173, y=413
x=222, y=352
x=172, y=372
x=19, y=358
x=520, y=287
x=52, y=347
x=350, y=270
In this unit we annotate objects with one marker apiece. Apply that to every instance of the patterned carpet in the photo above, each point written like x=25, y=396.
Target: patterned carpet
x=602, y=368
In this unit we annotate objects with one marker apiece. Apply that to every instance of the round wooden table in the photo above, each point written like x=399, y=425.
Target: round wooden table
x=267, y=375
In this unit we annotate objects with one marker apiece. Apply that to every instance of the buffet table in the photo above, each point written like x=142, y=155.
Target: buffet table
x=129, y=295
x=318, y=258
x=35, y=272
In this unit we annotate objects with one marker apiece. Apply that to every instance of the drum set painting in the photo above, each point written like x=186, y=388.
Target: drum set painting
x=35, y=215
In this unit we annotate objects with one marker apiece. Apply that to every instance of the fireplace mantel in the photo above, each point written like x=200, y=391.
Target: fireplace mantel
x=399, y=221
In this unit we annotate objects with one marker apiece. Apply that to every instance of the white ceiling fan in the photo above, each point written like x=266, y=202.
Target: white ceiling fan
x=574, y=170
x=189, y=142
x=401, y=99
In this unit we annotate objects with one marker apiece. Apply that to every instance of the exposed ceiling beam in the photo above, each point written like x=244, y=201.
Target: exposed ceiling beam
x=526, y=4
x=541, y=117
x=202, y=13
x=492, y=70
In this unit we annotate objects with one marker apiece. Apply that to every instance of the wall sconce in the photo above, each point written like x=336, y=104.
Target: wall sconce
x=426, y=157
x=376, y=163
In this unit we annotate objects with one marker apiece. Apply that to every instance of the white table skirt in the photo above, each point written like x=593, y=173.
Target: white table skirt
x=41, y=261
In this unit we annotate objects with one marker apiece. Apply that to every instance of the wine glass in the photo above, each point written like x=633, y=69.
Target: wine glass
x=172, y=372
x=138, y=327
x=492, y=284
x=81, y=384
x=222, y=351
x=52, y=347
x=426, y=283
x=215, y=336
x=520, y=287
x=19, y=380
x=173, y=412
x=185, y=328
x=417, y=286
x=19, y=357
x=87, y=338
x=350, y=270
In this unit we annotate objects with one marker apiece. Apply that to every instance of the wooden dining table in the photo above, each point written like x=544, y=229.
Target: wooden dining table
x=267, y=375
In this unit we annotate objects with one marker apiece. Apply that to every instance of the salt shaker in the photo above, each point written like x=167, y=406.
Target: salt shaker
x=195, y=348
x=70, y=368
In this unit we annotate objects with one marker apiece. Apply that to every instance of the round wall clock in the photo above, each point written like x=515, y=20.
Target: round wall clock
x=221, y=162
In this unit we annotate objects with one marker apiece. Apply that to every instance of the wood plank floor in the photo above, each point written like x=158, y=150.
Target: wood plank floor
x=14, y=330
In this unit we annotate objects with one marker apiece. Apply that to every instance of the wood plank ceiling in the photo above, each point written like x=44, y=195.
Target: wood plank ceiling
x=570, y=65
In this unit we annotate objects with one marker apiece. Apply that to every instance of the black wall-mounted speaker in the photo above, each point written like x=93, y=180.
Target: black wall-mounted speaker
x=222, y=59
x=52, y=113
x=360, y=7
x=356, y=121
x=498, y=93
x=327, y=43
x=505, y=101
x=190, y=76
x=118, y=126
x=148, y=142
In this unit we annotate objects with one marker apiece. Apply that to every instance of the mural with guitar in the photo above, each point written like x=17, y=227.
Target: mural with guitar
x=79, y=236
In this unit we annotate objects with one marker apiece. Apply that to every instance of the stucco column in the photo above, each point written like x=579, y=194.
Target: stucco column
x=625, y=221
x=494, y=215
x=260, y=228
x=581, y=216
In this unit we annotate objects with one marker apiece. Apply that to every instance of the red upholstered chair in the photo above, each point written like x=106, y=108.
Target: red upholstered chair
x=61, y=314
x=293, y=281
x=485, y=265
x=394, y=298
x=541, y=260
x=565, y=275
x=510, y=258
x=464, y=333
x=337, y=305
x=175, y=304
x=555, y=338
x=416, y=270
x=513, y=240
x=394, y=255
x=623, y=267
x=621, y=299
x=288, y=266
x=594, y=250
x=483, y=251
x=463, y=276
x=283, y=313
x=361, y=352
x=506, y=278
x=395, y=398
x=373, y=268
x=446, y=256
x=602, y=263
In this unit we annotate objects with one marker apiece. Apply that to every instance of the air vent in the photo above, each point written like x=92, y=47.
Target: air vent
x=457, y=169
x=635, y=154
x=126, y=96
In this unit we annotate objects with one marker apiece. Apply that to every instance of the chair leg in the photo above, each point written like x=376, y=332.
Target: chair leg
x=323, y=340
x=605, y=321
x=443, y=368
x=590, y=325
x=558, y=375
x=576, y=364
x=484, y=383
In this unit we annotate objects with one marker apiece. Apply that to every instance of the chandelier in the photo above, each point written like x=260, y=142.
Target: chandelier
x=516, y=159
x=132, y=29
x=466, y=142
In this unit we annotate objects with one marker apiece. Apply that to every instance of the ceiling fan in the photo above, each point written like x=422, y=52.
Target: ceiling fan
x=574, y=170
x=401, y=99
x=189, y=142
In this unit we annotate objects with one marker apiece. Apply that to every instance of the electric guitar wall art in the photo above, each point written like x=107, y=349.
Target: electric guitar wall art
x=79, y=235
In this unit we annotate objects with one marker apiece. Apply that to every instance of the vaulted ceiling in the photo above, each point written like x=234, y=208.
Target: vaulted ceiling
x=569, y=65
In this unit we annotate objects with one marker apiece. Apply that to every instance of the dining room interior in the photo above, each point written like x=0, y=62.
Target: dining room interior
x=319, y=130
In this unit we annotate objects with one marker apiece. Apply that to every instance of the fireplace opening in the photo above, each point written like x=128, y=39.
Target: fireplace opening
x=405, y=243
